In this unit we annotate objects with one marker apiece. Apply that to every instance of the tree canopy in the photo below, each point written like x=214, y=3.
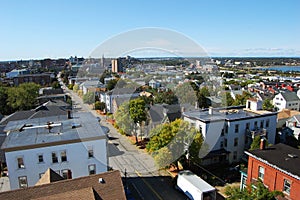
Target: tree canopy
x=123, y=120
x=23, y=97
x=89, y=98
x=258, y=192
x=177, y=137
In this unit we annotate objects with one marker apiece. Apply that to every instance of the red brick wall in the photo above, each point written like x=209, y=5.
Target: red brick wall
x=273, y=178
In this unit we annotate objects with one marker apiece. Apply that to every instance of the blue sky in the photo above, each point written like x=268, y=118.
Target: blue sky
x=33, y=29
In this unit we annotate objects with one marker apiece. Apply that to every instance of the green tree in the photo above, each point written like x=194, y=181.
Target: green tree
x=89, y=98
x=165, y=97
x=186, y=94
x=241, y=99
x=204, y=91
x=259, y=192
x=137, y=111
x=163, y=157
x=23, y=97
x=226, y=99
x=100, y=105
x=178, y=137
x=123, y=119
x=75, y=87
x=111, y=84
x=4, y=109
x=267, y=105
x=256, y=143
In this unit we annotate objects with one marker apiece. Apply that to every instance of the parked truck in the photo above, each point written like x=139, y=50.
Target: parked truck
x=195, y=187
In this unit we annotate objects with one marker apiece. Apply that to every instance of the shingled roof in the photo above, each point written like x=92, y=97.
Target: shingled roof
x=87, y=188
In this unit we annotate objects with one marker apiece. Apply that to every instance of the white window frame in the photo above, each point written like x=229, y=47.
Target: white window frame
x=261, y=172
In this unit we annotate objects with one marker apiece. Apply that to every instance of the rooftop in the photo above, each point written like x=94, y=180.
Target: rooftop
x=226, y=114
x=39, y=132
x=87, y=188
x=280, y=156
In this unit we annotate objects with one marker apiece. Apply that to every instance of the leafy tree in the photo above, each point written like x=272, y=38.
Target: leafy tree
x=123, y=119
x=23, y=97
x=204, y=91
x=227, y=99
x=137, y=111
x=259, y=192
x=75, y=87
x=267, y=105
x=100, y=105
x=241, y=99
x=55, y=85
x=70, y=86
x=4, y=109
x=111, y=84
x=163, y=157
x=165, y=97
x=178, y=137
x=186, y=94
x=256, y=143
x=89, y=98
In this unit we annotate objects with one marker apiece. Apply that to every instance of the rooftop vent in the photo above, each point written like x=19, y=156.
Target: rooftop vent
x=76, y=125
x=292, y=155
x=101, y=180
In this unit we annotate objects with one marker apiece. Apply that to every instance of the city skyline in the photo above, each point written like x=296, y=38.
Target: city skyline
x=54, y=29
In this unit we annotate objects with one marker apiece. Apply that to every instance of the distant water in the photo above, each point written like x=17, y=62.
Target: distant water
x=283, y=68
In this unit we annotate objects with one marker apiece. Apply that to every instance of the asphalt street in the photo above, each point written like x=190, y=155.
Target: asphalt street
x=140, y=175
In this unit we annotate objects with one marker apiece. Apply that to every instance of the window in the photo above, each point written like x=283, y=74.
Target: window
x=290, y=104
x=200, y=129
x=236, y=129
x=236, y=141
x=261, y=123
x=54, y=158
x=261, y=172
x=221, y=144
x=66, y=173
x=63, y=156
x=23, y=182
x=90, y=152
x=92, y=169
x=222, y=132
x=41, y=158
x=267, y=123
x=225, y=143
x=234, y=155
x=286, y=186
x=226, y=128
x=247, y=126
x=255, y=124
x=20, y=163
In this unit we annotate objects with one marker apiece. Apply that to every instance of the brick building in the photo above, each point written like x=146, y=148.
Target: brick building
x=277, y=166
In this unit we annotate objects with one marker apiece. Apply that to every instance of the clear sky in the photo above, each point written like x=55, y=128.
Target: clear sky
x=32, y=29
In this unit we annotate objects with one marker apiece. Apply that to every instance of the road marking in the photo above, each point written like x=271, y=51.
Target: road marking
x=149, y=186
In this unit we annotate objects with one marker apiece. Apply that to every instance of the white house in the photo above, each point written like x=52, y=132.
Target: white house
x=73, y=148
x=229, y=131
x=287, y=100
x=118, y=93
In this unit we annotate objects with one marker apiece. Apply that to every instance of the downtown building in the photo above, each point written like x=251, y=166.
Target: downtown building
x=73, y=147
x=230, y=131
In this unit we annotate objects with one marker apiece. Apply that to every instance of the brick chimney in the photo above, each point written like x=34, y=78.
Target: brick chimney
x=262, y=145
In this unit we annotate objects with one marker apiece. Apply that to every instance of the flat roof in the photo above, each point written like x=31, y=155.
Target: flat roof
x=196, y=181
x=38, y=132
x=280, y=156
x=226, y=114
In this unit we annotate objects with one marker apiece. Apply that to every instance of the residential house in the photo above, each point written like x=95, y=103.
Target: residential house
x=284, y=115
x=154, y=84
x=104, y=186
x=287, y=100
x=73, y=147
x=294, y=124
x=277, y=167
x=118, y=93
x=229, y=131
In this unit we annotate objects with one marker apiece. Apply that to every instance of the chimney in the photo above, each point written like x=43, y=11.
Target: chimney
x=210, y=110
x=262, y=145
x=69, y=114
